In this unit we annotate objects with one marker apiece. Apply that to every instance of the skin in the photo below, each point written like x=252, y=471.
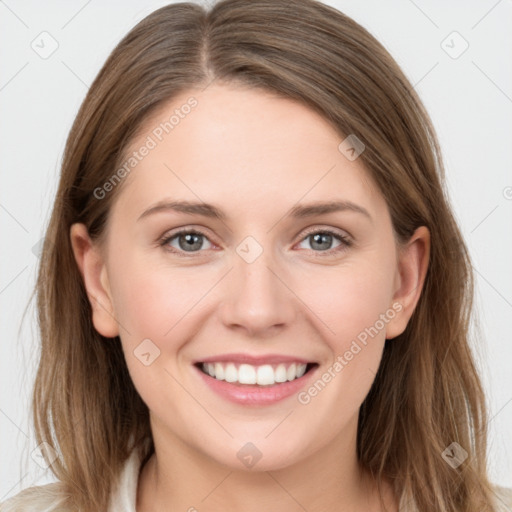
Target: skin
x=239, y=150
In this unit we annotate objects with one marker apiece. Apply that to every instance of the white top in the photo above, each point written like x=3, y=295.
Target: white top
x=46, y=498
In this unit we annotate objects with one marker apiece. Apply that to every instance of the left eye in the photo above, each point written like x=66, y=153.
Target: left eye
x=192, y=241
x=321, y=239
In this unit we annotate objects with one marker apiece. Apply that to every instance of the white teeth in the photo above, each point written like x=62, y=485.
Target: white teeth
x=247, y=374
x=265, y=375
x=292, y=371
x=301, y=370
x=219, y=371
x=280, y=374
x=231, y=373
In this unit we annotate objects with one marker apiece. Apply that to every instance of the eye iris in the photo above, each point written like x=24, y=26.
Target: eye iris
x=191, y=241
x=319, y=238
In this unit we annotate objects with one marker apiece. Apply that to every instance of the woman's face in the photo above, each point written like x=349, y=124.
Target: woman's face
x=268, y=278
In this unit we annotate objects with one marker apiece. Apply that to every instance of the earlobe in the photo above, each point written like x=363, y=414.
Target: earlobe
x=95, y=278
x=412, y=268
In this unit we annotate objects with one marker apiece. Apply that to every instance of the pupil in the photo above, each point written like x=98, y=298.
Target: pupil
x=318, y=238
x=191, y=241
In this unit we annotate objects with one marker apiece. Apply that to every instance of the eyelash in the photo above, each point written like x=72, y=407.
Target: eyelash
x=346, y=242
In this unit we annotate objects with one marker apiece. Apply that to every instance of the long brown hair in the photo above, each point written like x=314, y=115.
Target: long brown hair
x=427, y=393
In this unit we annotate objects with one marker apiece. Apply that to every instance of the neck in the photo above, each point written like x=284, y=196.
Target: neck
x=177, y=477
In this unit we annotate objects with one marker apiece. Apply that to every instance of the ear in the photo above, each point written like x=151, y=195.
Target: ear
x=94, y=274
x=412, y=265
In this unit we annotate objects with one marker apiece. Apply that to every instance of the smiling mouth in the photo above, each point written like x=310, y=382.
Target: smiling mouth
x=262, y=375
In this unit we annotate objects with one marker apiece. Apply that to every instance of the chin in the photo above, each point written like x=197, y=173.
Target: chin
x=256, y=456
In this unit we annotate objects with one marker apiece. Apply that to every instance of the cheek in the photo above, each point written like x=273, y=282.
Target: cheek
x=347, y=300
x=352, y=310
x=156, y=307
x=149, y=300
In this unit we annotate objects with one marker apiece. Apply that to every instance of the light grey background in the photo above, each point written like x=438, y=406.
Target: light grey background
x=469, y=99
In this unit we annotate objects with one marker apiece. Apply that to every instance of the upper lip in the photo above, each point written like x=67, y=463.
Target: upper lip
x=254, y=360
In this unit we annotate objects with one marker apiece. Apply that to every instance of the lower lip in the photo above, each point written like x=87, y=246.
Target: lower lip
x=247, y=394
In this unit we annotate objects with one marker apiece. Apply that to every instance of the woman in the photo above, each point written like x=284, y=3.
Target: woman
x=202, y=349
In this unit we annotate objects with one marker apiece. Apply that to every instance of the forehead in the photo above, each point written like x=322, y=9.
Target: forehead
x=242, y=146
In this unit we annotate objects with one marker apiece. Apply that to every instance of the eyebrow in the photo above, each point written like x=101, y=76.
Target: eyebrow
x=211, y=211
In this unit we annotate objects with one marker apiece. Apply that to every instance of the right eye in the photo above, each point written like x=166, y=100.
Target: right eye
x=188, y=241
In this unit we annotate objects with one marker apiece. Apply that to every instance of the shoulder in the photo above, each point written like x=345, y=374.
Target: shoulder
x=41, y=498
x=53, y=498
x=503, y=498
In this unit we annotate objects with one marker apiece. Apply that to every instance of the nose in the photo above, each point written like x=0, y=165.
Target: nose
x=257, y=297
